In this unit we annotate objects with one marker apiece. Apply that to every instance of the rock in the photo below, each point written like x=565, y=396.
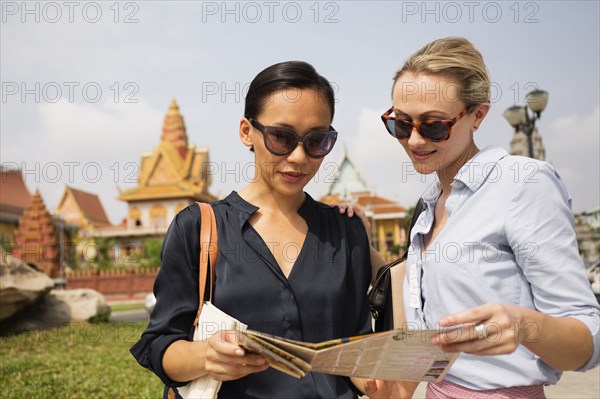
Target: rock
x=84, y=303
x=20, y=285
x=58, y=308
x=47, y=312
x=28, y=301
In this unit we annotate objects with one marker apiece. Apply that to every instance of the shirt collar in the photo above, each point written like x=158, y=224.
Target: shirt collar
x=432, y=193
x=247, y=209
x=477, y=169
x=472, y=174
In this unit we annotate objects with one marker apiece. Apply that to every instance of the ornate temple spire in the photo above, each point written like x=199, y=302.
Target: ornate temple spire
x=36, y=238
x=173, y=131
x=348, y=181
x=519, y=145
x=175, y=169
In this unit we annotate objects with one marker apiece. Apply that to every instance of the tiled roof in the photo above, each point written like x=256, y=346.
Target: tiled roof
x=14, y=195
x=91, y=207
x=372, y=200
x=379, y=205
x=331, y=199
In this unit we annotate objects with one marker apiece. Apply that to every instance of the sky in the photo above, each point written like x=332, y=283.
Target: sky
x=86, y=85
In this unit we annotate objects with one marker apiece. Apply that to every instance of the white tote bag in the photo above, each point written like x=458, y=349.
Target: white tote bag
x=211, y=320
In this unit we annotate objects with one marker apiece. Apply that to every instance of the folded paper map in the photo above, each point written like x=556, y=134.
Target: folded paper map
x=389, y=355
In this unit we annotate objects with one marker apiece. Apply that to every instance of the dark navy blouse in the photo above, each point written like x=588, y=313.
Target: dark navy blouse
x=324, y=297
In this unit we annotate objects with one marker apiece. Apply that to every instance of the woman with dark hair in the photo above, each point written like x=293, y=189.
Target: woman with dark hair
x=287, y=265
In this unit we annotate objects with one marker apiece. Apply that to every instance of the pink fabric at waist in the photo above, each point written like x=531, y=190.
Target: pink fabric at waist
x=449, y=390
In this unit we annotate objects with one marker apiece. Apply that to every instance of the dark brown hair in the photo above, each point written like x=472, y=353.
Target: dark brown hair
x=286, y=75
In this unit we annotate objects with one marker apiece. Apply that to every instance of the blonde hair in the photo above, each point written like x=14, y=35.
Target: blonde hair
x=455, y=58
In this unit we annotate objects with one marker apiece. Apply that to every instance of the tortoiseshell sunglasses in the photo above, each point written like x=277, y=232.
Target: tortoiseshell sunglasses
x=434, y=130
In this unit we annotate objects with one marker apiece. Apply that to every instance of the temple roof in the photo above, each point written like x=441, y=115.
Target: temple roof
x=350, y=187
x=379, y=204
x=348, y=181
x=369, y=203
x=88, y=204
x=14, y=195
x=175, y=169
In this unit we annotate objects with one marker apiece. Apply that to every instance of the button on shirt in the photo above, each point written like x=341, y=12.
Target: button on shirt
x=324, y=296
x=509, y=239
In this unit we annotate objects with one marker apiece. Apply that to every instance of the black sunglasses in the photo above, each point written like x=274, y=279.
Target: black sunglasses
x=434, y=130
x=282, y=141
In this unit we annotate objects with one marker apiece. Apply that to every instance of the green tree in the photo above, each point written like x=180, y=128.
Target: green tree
x=103, y=258
x=152, y=247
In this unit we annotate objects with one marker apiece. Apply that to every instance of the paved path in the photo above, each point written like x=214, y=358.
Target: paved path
x=577, y=386
x=572, y=385
x=129, y=315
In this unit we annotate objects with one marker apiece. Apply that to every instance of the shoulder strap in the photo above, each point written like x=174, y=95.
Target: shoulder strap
x=209, y=250
x=418, y=209
x=397, y=275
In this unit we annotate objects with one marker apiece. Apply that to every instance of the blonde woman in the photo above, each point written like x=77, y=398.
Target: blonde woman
x=494, y=250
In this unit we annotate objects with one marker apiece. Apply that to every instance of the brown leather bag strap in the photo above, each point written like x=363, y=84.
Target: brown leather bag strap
x=213, y=250
x=208, y=251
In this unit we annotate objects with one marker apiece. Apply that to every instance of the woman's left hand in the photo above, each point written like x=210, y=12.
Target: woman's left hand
x=490, y=329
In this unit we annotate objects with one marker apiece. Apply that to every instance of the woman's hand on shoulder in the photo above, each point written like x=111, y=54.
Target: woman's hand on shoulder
x=225, y=360
x=352, y=209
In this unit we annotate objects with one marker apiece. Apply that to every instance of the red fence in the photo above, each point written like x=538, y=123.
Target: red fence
x=124, y=283
x=116, y=283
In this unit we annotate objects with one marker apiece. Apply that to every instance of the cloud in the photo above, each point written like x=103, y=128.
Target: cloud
x=572, y=145
x=114, y=129
x=574, y=133
x=92, y=147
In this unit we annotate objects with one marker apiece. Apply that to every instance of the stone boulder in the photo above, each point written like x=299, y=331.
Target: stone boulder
x=58, y=308
x=83, y=303
x=20, y=285
x=48, y=312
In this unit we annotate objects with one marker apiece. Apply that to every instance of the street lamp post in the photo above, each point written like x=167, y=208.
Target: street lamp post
x=518, y=116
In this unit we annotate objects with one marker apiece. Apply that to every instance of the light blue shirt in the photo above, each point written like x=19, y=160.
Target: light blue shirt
x=508, y=239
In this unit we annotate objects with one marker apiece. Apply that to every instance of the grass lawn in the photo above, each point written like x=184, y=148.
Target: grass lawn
x=76, y=361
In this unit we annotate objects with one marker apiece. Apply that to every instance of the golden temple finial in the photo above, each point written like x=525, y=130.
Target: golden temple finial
x=173, y=108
